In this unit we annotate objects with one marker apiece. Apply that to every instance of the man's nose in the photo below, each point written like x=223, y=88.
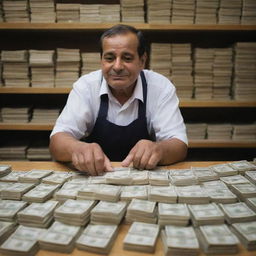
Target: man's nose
x=118, y=65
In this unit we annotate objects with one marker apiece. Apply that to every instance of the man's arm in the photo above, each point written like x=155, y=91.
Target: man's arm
x=147, y=154
x=84, y=156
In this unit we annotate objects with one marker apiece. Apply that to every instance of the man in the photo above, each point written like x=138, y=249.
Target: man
x=121, y=112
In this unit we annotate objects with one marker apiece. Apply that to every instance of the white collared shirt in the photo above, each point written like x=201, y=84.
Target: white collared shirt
x=164, y=119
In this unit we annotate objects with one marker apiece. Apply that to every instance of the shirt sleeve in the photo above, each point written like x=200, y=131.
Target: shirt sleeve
x=167, y=121
x=77, y=116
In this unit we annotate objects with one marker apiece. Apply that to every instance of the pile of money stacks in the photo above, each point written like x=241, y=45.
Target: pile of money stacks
x=183, y=12
x=159, y=12
x=229, y=12
x=206, y=11
x=42, y=11
x=16, y=11
x=132, y=11
x=199, y=209
x=249, y=12
x=90, y=62
x=15, y=68
x=67, y=13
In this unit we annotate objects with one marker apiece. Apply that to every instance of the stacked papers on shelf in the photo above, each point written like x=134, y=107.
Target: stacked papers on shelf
x=248, y=12
x=219, y=131
x=109, y=13
x=206, y=11
x=132, y=11
x=45, y=115
x=16, y=11
x=244, y=132
x=229, y=12
x=159, y=11
x=67, y=13
x=196, y=131
x=90, y=62
x=183, y=12
x=42, y=11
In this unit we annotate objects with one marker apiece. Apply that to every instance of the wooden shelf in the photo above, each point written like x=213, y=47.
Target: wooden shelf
x=221, y=144
x=26, y=127
x=30, y=90
x=141, y=26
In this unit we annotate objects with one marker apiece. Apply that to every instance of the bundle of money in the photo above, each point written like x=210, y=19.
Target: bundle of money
x=10, y=208
x=119, y=177
x=97, y=238
x=5, y=169
x=60, y=237
x=242, y=166
x=13, y=176
x=250, y=175
x=139, y=177
x=69, y=190
x=42, y=11
x=159, y=12
x=244, y=191
x=229, y=12
x=38, y=215
x=246, y=234
x=90, y=61
x=217, y=239
x=141, y=237
x=163, y=194
x=23, y=242
x=34, y=176
x=159, y=178
x=74, y=212
x=88, y=191
x=251, y=202
x=196, y=131
x=183, y=177
x=206, y=11
x=96, y=180
x=67, y=12
x=16, y=190
x=44, y=115
x=108, y=212
x=39, y=152
x=16, y=114
x=245, y=132
x=183, y=12
x=134, y=191
x=132, y=11
x=173, y=214
x=219, y=192
x=238, y=212
x=192, y=195
x=90, y=13
x=4, y=185
x=179, y=241
x=57, y=178
x=248, y=12
x=109, y=13
x=142, y=211
x=204, y=174
x=6, y=228
x=234, y=180
x=40, y=193
x=107, y=192
x=206, y=214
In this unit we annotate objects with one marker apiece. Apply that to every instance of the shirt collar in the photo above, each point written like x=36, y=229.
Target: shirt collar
x=137, y=94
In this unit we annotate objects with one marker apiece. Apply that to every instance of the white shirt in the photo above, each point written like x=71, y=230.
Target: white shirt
x=164, y=119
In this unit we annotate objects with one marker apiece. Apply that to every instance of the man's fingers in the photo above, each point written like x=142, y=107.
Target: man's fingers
x=108, y=166
x=128, y=160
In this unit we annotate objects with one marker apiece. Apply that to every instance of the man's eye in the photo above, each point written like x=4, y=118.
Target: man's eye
x=108, y=58
x=128, y=59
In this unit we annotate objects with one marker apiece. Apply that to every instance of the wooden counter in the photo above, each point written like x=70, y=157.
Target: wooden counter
x=117, y=248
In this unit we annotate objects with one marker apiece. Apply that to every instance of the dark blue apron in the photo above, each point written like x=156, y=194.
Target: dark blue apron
x=117, y=141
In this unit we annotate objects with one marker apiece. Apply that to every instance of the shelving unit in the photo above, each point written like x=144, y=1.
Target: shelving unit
x=83, y=36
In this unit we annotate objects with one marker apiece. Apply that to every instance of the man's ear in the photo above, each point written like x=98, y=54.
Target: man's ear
x=143, y=60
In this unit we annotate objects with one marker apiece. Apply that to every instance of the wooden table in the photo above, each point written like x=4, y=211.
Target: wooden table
x=117, y=249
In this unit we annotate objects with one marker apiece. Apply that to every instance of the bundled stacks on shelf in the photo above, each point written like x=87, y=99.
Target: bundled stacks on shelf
x=160, y=58
x=244, y=132
x=203, y=69
x=183, y=12
x=206, y=11
x=90, y=13
x=39, y=153
x=222, y=73
x=42, y=68
x=196, y=131
x=230, y=12
x=67, y=67
x=45, y=115
x=1, y=12
x=15, y=68
x=249, y=12
x=159, y=11
x=132, y=11
x=244, y=72
x=219, y=131
x=90, y=62
x=42, y=11
x=13, y=151
x=109, y=13
x=181, y=71
x=16, y=115
x=67, y=13
x=16, y=11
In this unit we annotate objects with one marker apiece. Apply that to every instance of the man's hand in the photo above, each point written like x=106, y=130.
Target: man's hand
x=145, y=154
x=90, y=157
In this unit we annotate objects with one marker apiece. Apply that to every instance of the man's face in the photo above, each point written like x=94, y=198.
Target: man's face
x=120, y=61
